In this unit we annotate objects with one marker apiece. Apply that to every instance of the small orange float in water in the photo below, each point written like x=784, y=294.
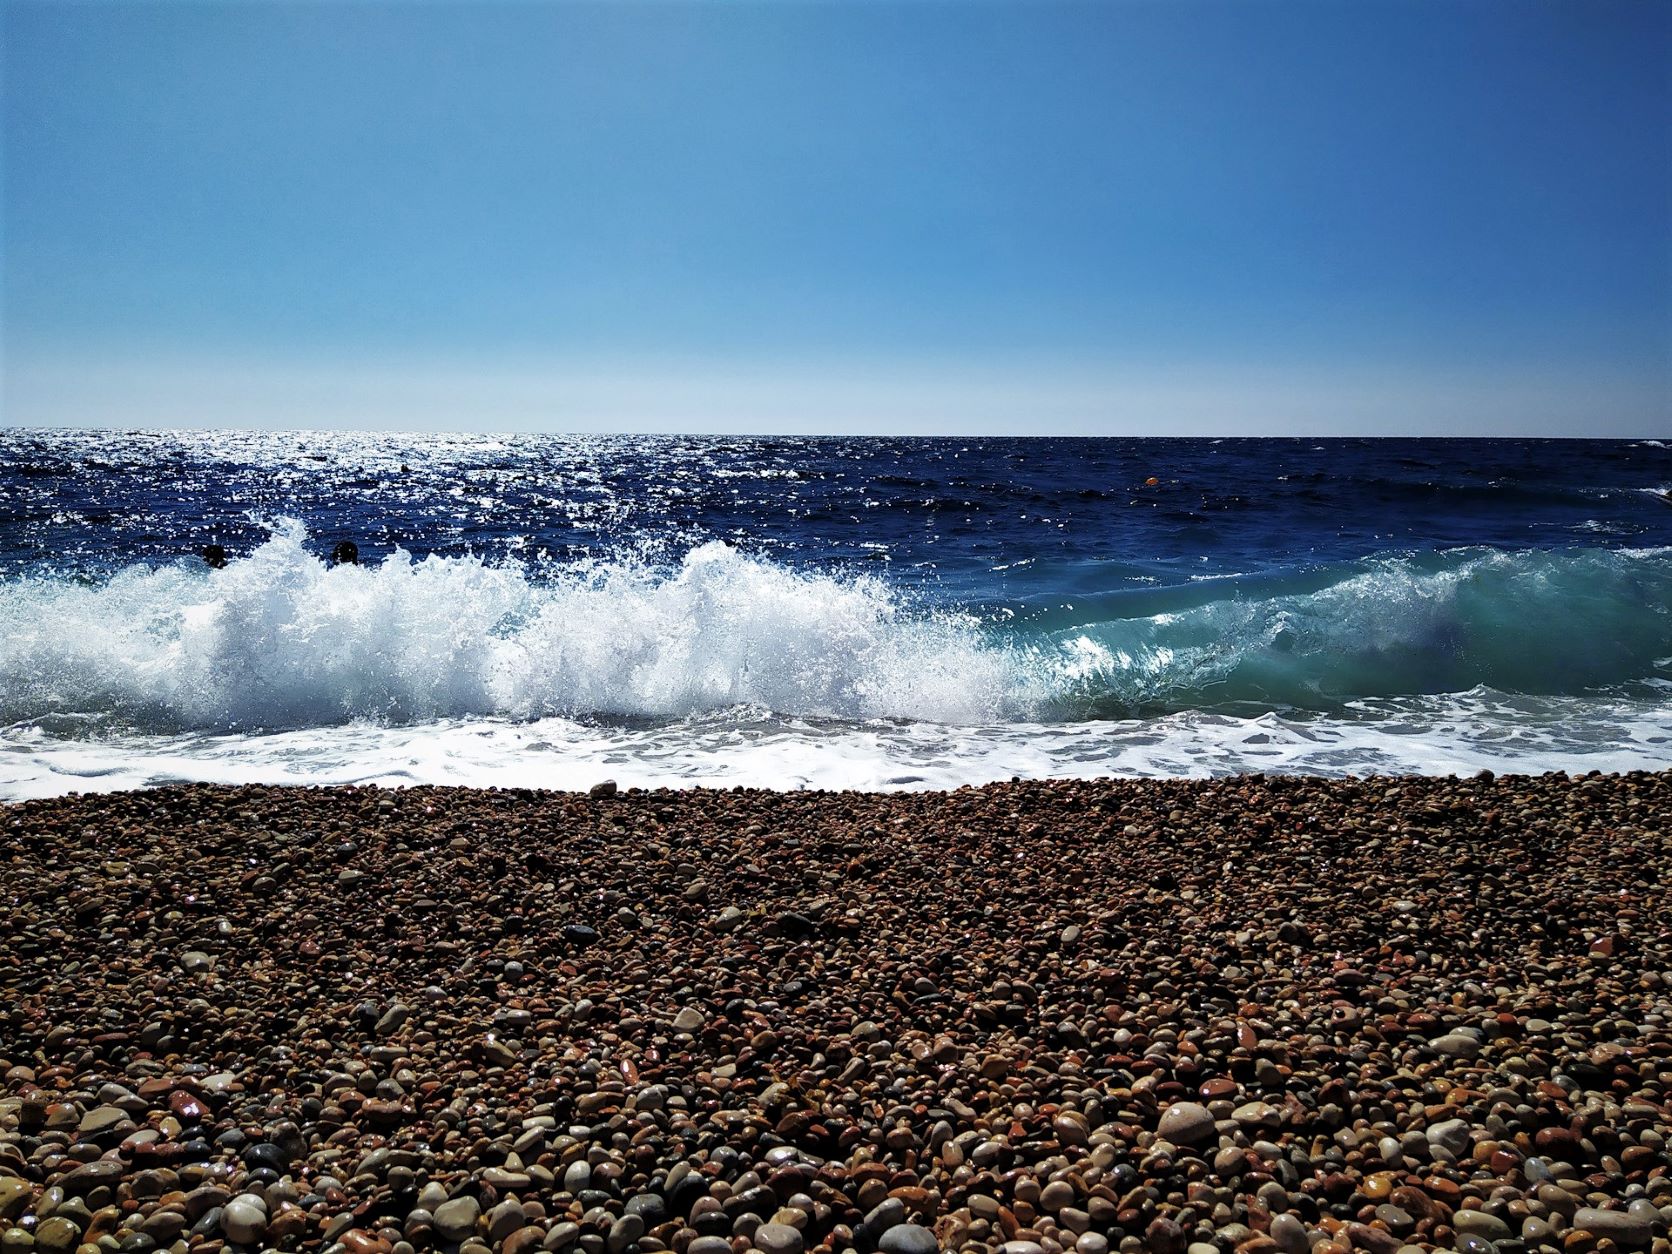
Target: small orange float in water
x=1151, y=481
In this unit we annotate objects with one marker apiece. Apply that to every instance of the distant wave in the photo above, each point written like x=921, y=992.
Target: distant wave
x=277, y=640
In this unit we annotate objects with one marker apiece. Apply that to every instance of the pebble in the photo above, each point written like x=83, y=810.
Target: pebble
x=57, y=1235
x=1290, y=1234
x=885, y=1215
x=1458, y=1044
x=1186, y=1123
x=456, y=1219
x=15, y=1195
x=777, y=1239
x=244, y=1223
x=908, y=1239
x=1621, y=1227
x=1480, y=1224
x=530, y=1021
x=626, y=1231
x=1450, y=1134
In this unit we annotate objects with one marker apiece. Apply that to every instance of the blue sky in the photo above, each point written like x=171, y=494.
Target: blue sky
x=1250, y=217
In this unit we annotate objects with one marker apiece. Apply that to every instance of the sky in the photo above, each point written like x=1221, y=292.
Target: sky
x=963, y=216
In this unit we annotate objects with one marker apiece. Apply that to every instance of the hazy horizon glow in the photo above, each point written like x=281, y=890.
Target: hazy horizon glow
x=1128, y=218
x=813, y=398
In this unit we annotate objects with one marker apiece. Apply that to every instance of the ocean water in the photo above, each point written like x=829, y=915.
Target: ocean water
x=827, y=613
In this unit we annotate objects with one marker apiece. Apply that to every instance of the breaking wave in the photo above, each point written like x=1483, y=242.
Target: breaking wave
x=278, y=640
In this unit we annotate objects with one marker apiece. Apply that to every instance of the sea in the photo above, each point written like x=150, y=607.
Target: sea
x=844, y=613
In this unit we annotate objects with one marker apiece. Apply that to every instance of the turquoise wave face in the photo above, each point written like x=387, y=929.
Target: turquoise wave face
x=1531, y=622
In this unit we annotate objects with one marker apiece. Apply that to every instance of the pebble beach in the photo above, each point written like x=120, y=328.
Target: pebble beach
x=1258, y=1014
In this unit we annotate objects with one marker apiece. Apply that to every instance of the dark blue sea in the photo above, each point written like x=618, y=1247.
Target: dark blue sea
x=827, y=613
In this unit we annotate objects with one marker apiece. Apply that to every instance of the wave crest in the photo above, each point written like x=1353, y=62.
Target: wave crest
x=1528, y=622
x=278, y=640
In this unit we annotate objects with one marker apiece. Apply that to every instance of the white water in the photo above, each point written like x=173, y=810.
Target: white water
x=732, y=670
x=1458, y=734
x=279, y=640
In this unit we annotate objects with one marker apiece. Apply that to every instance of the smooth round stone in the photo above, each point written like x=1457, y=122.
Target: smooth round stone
x=1257, y=1115
x=648, y=1207
x=456, y=1220
x=1451, y=1135
x=1091, y=1243
x=266, y=1154
x=1074, y=1220
x=1621, y=1227
x=885, y=1215
x=16, y=1241
x=1478, y=1223
x=101, y=1119
x=1457, y=1045
x=1229, y=1162
x=709, y=1245
x=1290, y=1234
x=57, y=1235
x=164, y=1225
x=565, y=1234
x=905, y=1239
x=504, y=1219
x=629, y=1228
x=1534, y=1231
x=244, y=1222
x=1185, y=1123
x=14, y=1196
x=1399, y=1222
x=89, y=1176
x=1056, y=1195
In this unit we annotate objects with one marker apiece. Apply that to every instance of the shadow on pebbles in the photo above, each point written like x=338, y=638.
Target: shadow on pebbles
x=1259, y=1014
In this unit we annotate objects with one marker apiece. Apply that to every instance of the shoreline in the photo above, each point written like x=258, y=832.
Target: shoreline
x=1255, y=1013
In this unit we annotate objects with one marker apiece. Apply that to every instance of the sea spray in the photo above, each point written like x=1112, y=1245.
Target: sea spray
x=280, y=640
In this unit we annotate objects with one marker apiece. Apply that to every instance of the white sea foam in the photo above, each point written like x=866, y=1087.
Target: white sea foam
x=723, y=668
x=1457, y=734
x=278, y=640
